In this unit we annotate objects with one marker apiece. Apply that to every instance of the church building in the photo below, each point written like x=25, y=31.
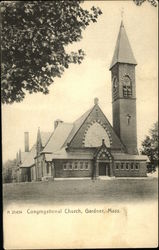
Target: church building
x=91, y=146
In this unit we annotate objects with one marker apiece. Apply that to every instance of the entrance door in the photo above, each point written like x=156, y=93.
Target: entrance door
x=104, y=169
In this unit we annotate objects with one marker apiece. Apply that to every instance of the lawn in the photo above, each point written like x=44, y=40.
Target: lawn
x=81, y=191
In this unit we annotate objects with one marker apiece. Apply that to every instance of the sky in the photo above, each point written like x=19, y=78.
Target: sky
x=73, y=94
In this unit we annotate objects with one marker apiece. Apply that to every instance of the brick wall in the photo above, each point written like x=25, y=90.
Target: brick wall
x=128, y=132
x=61, y=173
x=124, y=106
x=141, y=172
x=25, y=174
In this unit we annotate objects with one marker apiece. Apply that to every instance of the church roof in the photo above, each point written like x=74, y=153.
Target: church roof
x=44, y=137
x=64, y=133
x=88, y=155
x=28, y=157
x=124, y=156
x=123, y=52
x=64, y=154
x=58, y=137
x=24, y=156
x=29, y=160
x=77, y=124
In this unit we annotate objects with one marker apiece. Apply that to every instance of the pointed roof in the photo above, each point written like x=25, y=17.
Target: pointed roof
x=65, y=133
x=103, y=149
x=28, y=157
x=58, y=137
x=123, y=52
x=39, y=136
x=45, y=137
x=77, y=124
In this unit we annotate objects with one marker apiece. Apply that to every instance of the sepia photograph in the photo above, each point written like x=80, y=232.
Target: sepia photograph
x=79, y=94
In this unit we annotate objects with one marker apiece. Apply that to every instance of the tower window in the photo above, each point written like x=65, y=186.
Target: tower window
x=115, y=83
x=127, y=86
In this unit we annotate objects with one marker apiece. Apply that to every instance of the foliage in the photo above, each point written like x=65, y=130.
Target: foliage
x=150, y=146
x=34, y=39
x=139, y=2
x=8, y=171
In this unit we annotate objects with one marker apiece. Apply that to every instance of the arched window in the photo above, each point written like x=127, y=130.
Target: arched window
x=127, y=86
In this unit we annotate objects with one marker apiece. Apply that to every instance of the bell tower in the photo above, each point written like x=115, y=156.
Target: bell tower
x=124, y=92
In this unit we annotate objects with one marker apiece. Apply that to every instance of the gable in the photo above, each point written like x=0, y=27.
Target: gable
x=102, y=153
x=76, y=126
x=95, y=134
x=83, y=136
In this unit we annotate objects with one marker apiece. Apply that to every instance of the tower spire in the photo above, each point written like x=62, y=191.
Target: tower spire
x=123, y=52
x=39, y=142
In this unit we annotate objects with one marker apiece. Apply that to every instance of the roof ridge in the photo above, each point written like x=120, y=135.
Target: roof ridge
x=63, y=128
x=48, y=139
x=89, y=111
x=83, y=115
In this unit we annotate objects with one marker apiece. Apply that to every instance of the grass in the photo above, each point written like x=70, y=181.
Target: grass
x=81, y=191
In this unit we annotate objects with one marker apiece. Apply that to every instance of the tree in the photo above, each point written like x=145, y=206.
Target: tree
x=9, y=168
x=34, y=39
x=150, y=147
x=140, y=2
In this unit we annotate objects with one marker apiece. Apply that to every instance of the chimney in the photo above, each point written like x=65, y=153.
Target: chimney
x=26, y=141
x=56, y=123
x=20, y=157
x=17, y=159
